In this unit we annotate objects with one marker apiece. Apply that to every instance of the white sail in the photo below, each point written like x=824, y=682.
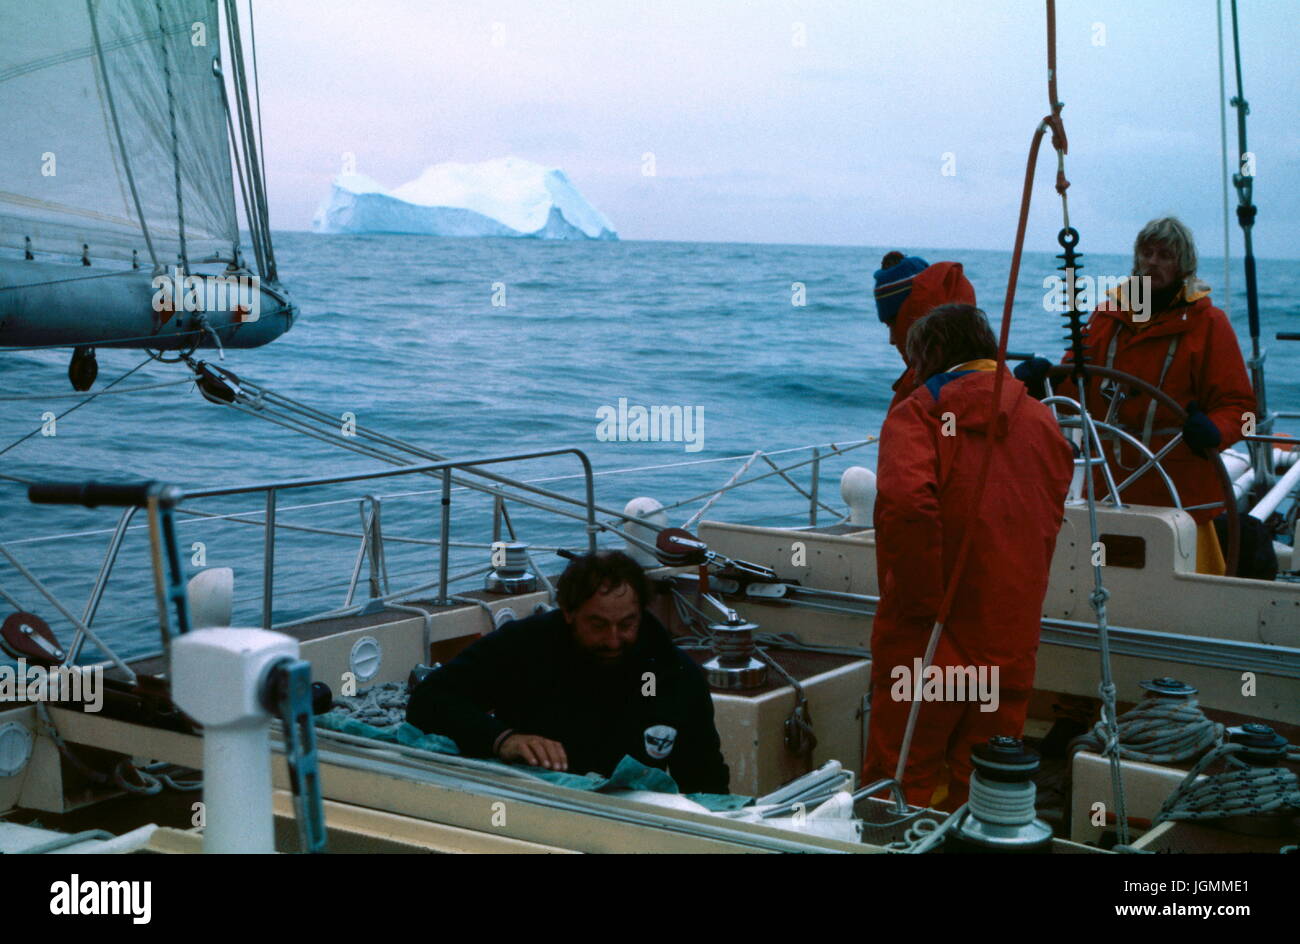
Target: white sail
x=115, y=131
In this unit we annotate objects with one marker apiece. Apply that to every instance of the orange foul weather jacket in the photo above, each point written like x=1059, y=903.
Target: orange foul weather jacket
x=939, y=284
x=930, y=455
x=1190, y=352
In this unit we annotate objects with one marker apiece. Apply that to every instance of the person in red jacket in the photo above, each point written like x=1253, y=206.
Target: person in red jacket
x=907, y=287
x=931, y=448
x=1178, y=341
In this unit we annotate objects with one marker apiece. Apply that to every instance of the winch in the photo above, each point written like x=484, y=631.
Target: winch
x=511, y=575
x=1000, y=816
x=735, y=664
x=1168, y=687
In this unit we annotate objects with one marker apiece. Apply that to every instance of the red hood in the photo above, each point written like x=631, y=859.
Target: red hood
x=938, y=284
x=970, y=399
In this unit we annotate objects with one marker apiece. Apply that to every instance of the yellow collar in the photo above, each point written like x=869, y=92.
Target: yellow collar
x=1192, y=290
x=982, y=363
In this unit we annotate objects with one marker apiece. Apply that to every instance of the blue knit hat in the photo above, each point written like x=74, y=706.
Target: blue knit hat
x=894, y=284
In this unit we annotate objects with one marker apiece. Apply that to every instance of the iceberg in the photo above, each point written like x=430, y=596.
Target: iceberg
x=504, y=197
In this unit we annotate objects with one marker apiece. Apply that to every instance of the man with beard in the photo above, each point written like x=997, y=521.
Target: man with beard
x=580, y=687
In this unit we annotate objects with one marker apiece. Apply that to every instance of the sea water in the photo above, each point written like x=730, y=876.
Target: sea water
x=484, y=347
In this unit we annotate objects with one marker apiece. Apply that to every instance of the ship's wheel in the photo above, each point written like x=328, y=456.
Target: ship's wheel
x=1149, y=463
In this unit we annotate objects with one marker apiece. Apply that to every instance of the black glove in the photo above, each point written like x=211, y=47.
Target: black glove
x=1033, y=374
x=1200, y=434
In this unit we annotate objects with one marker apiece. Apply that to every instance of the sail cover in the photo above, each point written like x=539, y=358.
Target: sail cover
x=115, y=130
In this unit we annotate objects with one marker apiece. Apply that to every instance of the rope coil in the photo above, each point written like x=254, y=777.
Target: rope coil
x=1160, y=729
x=1244, y=791
x=1002, y=803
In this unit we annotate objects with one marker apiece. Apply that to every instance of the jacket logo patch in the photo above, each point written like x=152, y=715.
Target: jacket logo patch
x=659, y=741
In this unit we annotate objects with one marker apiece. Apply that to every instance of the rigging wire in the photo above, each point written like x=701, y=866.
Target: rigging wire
x=77, y=278
x=258, y=218
x=259, y=401
x=75, y=406
x=244, y=192
x=1223, y=166
x=417, y=493
x=1260, y=453
x=257, y=91
x=68, y=396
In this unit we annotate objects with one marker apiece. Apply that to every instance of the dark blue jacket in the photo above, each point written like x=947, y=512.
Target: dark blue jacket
x=530, y=677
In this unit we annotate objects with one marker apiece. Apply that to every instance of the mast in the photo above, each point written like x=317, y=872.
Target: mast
x=251, y=168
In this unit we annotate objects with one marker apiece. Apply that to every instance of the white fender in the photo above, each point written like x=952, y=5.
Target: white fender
x=212, y=597
x=858, y=489
x=652, y=510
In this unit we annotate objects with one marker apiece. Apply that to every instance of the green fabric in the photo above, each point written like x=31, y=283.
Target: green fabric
x=721, y=802
x=630, y=774
x=406, y=734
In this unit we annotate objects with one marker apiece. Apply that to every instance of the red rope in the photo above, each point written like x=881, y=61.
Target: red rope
x=1000, y=423
x=1059, y=141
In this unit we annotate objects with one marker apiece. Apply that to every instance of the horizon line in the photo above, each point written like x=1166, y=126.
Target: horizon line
x=718, y=242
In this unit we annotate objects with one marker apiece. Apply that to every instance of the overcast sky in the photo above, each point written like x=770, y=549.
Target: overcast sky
x=795, y=122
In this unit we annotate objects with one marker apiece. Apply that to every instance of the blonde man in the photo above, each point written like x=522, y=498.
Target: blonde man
x=1178, y=341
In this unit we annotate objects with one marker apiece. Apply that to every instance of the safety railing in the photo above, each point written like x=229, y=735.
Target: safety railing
x=372, y=540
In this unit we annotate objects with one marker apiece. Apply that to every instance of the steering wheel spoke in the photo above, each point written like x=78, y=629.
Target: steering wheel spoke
x=1149, y=461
